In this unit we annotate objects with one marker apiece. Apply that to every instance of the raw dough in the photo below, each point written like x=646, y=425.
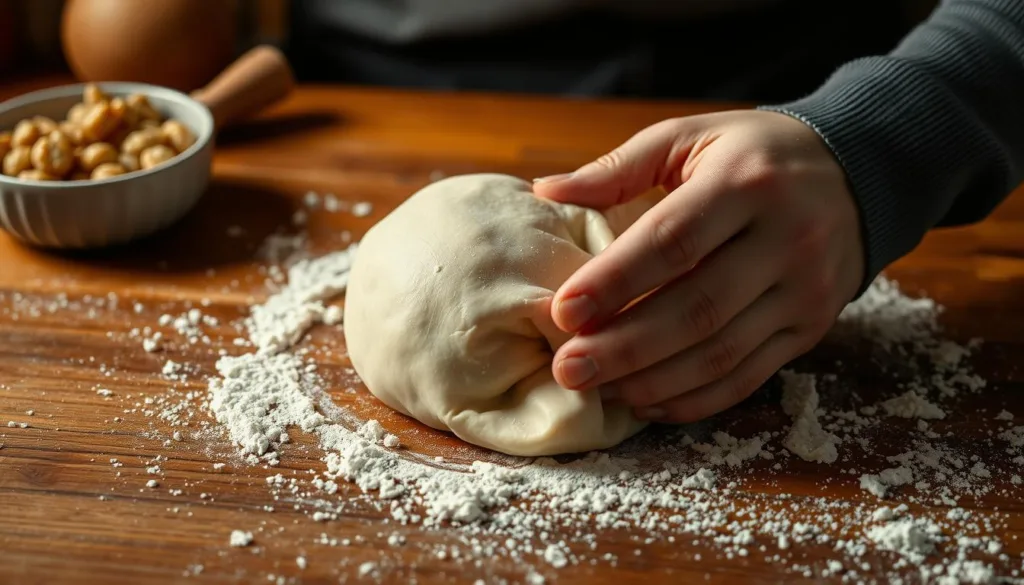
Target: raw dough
x=447, y=314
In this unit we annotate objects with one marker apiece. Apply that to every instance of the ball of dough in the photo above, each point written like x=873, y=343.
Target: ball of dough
x=447, y=314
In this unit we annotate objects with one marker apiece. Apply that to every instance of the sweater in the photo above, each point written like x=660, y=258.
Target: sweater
x=931, y=134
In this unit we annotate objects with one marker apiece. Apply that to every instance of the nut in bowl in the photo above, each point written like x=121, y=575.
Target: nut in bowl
x=91, y=165
x=100, y=137
x=82, y=168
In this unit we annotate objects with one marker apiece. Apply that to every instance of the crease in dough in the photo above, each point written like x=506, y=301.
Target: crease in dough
x=447, y=314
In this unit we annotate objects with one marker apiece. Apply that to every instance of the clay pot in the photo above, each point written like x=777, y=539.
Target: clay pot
x=180, y=44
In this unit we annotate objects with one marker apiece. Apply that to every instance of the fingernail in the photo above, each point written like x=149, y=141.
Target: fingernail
x=651, y=413
x=577, y=371
x=552, y=178
x=609, y=393
x=576, y=311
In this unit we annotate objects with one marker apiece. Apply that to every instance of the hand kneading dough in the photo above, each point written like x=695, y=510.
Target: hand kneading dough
x=447, y=314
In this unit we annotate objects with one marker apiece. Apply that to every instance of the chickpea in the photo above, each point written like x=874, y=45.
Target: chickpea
x=149, y=124
x=36, y=175
x=142, y=107
x=25, y=133
x=129, y=116
x=96, y=154
x=79, y=176
x=155, y=155
x=107, y=170
x=45, y=125
x=77, y=113
x=18, y=160
x=72, y=131
x=93, y=94
x=129, y=161
x=140, y=140
x=178, y=135
x=99, y=122
x=124, y=114
x=5, y=144
x=53, y=154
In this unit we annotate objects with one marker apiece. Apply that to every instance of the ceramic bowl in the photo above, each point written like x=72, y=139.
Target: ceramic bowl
x=98, y=213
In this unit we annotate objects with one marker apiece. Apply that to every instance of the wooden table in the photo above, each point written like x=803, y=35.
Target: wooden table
x=68, y=514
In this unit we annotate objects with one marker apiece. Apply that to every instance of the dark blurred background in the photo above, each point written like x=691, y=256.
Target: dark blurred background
x=778, y=51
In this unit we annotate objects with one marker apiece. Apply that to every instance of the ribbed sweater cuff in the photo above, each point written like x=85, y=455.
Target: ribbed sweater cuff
x=899, y=135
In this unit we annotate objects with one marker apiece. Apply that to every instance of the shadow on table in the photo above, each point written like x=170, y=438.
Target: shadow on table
x=276, y=126
x=226, y=227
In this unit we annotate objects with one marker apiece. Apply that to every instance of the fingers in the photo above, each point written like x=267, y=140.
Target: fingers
x=711, y=360
x=663, y=244
x=750, y=375
x=652, y=157
x=678, y=316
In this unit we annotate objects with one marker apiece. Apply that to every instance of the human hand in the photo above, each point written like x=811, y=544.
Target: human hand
x=748, y=262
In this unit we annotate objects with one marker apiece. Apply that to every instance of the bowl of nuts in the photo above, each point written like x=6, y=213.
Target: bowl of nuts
x=92, y=165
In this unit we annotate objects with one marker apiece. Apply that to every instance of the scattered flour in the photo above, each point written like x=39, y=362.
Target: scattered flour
x=915, y=540
x=692, y=485
x=806, y=439
x=240, y=538
x=279, y=323
x=362, y=209
x=260, y=396
x=880, y=483
x=910, y=404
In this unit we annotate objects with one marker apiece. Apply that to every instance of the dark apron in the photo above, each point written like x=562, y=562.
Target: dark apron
x=776, y=53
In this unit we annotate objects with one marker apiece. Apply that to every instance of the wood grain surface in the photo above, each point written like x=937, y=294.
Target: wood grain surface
x=70, y=514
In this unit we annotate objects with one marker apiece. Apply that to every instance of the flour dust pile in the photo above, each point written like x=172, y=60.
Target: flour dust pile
x=739, y=487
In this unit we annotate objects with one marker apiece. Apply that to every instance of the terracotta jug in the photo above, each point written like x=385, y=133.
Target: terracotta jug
x=180, y=44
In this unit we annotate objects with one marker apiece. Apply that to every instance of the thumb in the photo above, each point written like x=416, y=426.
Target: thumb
x=652, y=157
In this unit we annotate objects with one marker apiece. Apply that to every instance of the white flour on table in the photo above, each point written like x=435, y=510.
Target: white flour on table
x=695, y=493
x=688, y=486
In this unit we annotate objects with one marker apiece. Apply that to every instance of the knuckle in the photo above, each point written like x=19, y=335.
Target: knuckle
x=817, y=292
x=701, y=316
x=684, y=411
x=806, y=343
x=720, y=358
x=820, y=325
x=617, y=290
x=673, y=243
x=807, y=242
x=809, y=238
x=638, y=393
x=677, y=415
x=761, y=175
x=625, y=359
x=670, y=125
x=741, y=388
x=806, y=337
x=674, y=415
x=663, y=130
x=611, y=160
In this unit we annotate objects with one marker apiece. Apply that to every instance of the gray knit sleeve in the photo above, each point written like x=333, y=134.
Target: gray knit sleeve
x=933, y=133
